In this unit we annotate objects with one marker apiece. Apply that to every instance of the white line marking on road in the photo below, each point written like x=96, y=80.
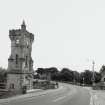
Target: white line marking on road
x=95, y=96
x=94, y=99
x=91, y=101
x=58, y=99
x=91, y=98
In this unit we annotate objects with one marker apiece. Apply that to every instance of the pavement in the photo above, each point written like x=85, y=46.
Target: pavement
x=34, y=90
x=97, y=96
x=30, y=93
x=66, y=94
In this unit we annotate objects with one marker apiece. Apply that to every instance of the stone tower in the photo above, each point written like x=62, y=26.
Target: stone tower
x=20, y=63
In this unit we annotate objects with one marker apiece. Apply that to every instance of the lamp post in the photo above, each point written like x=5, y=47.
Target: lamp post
x=74, y=77
x=93, y=74
x=83, y=81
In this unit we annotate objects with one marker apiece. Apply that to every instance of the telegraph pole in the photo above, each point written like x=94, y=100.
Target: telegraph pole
x=83, y=81
x=93, y=76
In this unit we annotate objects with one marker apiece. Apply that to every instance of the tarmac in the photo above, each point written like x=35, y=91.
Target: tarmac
x=97, y=96
x=30, y=93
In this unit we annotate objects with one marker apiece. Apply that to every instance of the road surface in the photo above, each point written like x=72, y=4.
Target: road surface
x=65, y=95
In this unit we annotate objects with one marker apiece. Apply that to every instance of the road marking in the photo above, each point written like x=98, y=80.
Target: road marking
x=91, y=101
x=58, y=99
x=97, y=102
x=94, y=99
x=91, y=98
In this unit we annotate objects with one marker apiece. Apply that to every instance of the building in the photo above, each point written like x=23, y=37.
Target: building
x=46, y=73
x=102, y=72
x=20, y=63
x=103, y=76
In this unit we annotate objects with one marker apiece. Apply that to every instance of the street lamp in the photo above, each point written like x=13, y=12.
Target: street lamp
x=83, y=81
x=93, y=74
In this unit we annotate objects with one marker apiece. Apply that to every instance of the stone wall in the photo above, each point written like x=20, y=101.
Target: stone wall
x=13, y=82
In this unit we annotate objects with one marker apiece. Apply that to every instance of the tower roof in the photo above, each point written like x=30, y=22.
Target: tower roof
x=23, y=23
x=23, y=26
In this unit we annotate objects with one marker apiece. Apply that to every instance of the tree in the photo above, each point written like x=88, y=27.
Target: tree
x=102, y=70
x=40, y=70
x=53, y=72
x=48, y=72
x=86, y=77
x=66, y=75
x=81, y=78
x=76, y=76
x=3, y=74
x=97, y=77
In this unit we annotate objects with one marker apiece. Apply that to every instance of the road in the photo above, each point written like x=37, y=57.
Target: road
x=65, y=95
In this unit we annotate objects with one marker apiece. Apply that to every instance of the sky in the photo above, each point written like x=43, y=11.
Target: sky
x=68, y=33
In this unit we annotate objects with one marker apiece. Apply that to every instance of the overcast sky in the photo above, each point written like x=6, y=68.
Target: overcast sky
x=68, y=33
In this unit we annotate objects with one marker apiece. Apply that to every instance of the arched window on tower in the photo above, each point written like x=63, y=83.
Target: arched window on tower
x=16, y=59
x=26, y=62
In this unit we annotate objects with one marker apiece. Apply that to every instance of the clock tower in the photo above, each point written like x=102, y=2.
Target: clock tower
x=20, y=63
